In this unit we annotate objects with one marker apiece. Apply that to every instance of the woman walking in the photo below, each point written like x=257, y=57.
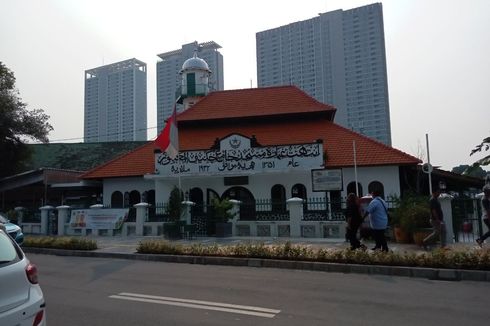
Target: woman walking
x=354, y=220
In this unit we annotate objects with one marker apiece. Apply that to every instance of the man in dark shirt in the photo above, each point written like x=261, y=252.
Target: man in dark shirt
x=437, y=221
x=485, y=206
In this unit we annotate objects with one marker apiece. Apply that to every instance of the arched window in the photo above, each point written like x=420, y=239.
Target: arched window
x=278, y=198
x=377, y=186
x=299, y=190
x=134, y=198
x=117, y=200
x=351, y=188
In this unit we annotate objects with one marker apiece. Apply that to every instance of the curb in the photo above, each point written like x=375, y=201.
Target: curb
x=417, y=272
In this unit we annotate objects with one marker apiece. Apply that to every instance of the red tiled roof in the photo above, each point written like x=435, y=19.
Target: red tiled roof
x=136, y=163
x=337, y=142
x=254, y=102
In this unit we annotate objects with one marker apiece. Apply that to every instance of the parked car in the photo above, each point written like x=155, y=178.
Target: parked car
x=12, y=229
x=21, y=298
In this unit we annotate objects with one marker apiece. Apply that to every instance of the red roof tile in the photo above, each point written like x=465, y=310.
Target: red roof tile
x=337, y=142
x=136, y=163
x=260, y=102
x=254, y=102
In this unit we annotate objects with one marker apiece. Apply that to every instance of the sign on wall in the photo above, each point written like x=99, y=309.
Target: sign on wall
x=105, y=219
x=327, y=180
x=236, y=155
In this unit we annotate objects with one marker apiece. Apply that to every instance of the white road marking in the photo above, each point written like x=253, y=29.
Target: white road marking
x=198, y=304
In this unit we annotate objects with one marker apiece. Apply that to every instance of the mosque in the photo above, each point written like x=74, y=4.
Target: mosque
x=250, y=144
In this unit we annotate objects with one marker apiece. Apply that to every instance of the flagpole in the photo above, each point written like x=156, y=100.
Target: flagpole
x=355, y=167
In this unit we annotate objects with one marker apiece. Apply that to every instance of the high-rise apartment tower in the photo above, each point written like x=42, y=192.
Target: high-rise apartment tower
x=115, y=102
x=169, y=80
x=338, y=58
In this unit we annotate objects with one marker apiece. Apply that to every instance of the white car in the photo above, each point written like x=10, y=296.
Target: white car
x=21, y=298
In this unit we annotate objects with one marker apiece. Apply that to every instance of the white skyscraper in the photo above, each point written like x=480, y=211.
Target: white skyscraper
x=169, y=79
x=115, y=102
x=338, y=58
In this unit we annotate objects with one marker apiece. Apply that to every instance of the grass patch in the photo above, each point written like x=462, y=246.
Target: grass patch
x=473, y=259
x=72, y=243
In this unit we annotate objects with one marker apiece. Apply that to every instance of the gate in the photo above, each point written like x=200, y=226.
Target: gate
x=201, y=217
x=53, y=222
x=467, y=223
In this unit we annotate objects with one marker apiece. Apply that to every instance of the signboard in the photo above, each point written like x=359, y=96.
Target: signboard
x=236, y=156
x=327, y=180
x=105, y=218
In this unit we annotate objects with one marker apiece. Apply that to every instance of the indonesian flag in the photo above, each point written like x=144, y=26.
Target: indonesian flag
x=168, y=140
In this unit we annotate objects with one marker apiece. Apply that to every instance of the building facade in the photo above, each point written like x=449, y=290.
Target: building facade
x=115, y=102
x=337, y=58
x=169, y=79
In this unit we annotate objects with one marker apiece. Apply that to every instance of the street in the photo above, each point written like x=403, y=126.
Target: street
x=95, y=291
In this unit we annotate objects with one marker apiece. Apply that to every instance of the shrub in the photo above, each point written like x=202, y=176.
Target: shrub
x=469, y=259
x=221, y=209
x=174, y=207
x=413, y=213
x=73, y=243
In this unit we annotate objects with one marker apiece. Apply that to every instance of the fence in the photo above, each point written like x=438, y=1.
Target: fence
x=315, y=217
x=467, y=224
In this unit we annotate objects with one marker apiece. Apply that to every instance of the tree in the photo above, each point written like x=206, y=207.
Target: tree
x=485, y=144
x=476, y=172
x=17, y=125
x=174, y=208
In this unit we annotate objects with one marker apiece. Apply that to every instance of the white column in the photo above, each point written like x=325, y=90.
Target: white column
x=44, y=218
x=141, y=212
x=62, y=218
x=186, y=211
x=447, y=212
x=20, y=215
x=236, y=213
x=94, y=231
x=295, y=206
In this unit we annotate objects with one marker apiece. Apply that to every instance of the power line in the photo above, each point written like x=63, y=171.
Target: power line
x=106, y=135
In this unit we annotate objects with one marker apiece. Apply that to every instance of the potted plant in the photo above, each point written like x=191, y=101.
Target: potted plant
x=414, y=215
x=400, y=234
x=222, y=215
x=172, y=229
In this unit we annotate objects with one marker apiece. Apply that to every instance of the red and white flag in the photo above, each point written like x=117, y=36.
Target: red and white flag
x=168, y=140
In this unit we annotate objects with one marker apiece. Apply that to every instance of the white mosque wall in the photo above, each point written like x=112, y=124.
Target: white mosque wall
x=260, y=184
x=125, y=185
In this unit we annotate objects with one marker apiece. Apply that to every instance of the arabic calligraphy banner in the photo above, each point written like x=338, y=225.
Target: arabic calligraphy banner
x=241, y=159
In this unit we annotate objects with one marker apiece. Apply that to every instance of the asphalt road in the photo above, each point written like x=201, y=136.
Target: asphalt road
x=95, y=291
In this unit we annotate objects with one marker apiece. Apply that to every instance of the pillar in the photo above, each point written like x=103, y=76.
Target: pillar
x=445, y=200
x=20, y=215
x=62, y=218
x=141, y=213
x=44, y=218
x=295, y=207
x=235, y=211
x=186, y=211
x=94, y=231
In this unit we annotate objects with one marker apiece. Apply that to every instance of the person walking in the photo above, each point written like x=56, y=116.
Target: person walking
x=485, y=207
x=436, y=220
x=354, y=220
x=378, y=216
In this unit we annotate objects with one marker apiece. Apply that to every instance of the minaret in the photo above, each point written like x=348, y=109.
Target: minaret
x=195, y=81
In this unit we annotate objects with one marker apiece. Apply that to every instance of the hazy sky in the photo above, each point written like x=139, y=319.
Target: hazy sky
x=438, y=57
